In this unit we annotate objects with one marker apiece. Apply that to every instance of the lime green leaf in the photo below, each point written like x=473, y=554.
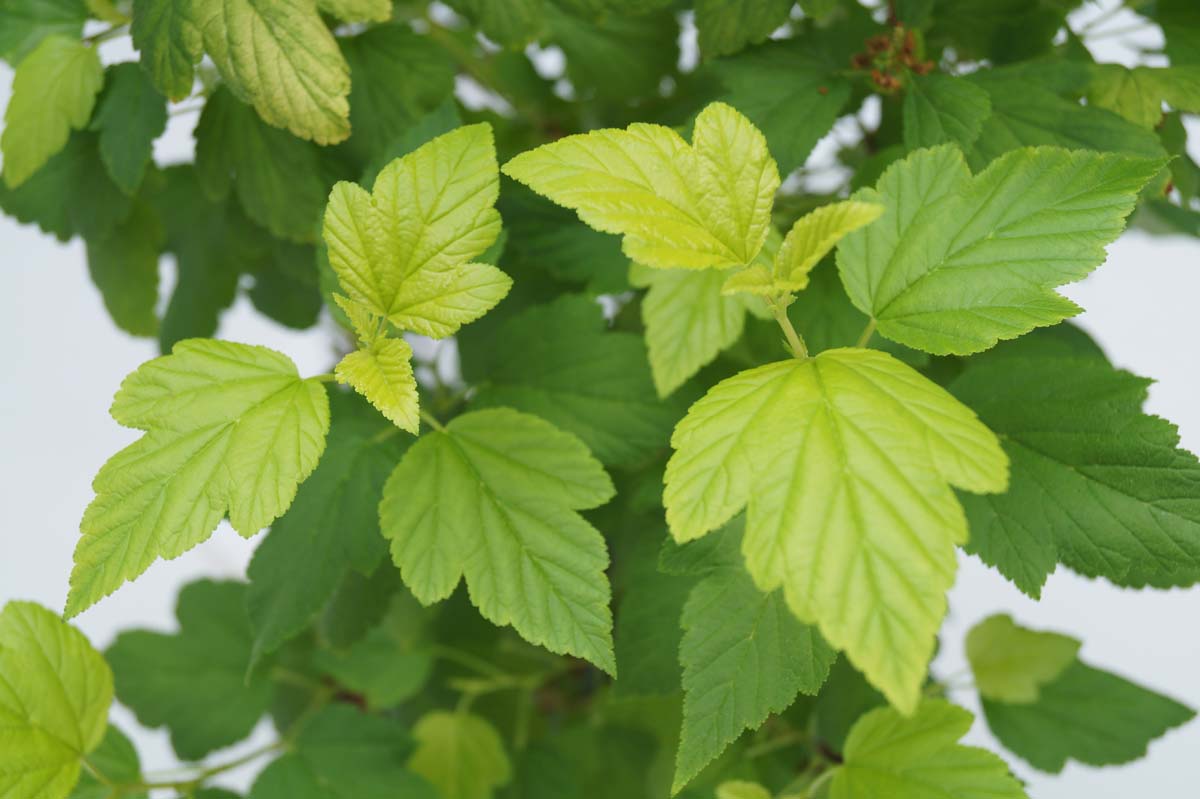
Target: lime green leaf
x=919, y=757
x=130, y=116
x=688, y=322
x=461, y=754
x=117, y=760
x=809, y=240
x=493, y=498
x=25, y=23
x=784, y=89
x=332, y=526
x=357, y=10
x=55, y=691
x=745, y=656
x=53, y=92
x=170, y=44
x=707, y=204
x=940, y=109
x=230, y=428
x=1096, y=484
x=1138, y=94
x=279, y=179
x=124, y=266
x=1011, y=663
x=1087, y=715
x=396, y=77
x=740, y=789
x=726, y=26
x=342, y=753
x=766, y=437
x=194, y=682
x=382, y=372
x=958, y=263
x=561, y=362
x=278, y=56
x=405, y=253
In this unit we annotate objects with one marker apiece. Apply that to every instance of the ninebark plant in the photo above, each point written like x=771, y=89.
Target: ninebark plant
x=643, y=470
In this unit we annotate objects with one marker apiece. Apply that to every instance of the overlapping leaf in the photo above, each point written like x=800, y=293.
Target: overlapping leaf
x=229, y=428
x=461, y=754
x=865, y=550
x=1011, y=663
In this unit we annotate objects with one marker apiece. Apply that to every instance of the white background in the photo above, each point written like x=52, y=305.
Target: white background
x=65, y=360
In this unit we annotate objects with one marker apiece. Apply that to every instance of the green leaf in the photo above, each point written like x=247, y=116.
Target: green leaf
x=229, y=429
x=342, y=753
x=286, y=285
x=278, y=56
x=647, y=627
x=332, y=526
x=493, y=498
x=688, y=321
x=645, y=45
x=939, y=272
x=844, y=698
x=55, y=691
x=766, y=437
x=1096, y=484
x=397, y=76
x=117, y=760
x=677, y=205
x=940, y=109
x=784, y=89
x=810, y=239
x=510, y=23
x=25, y=23
x=1138, y=94
x=194, y=682
x=1087, y=715
x=726, y=26
x=382, y=372
x=279, y=179
x=170, y=44
x=404, y=250
x=745, y=656
x=1025, y=113
x=1180, y=21
x=53, y=92
x=72, y=194
x=561, y=362
x=1011, y=663
x=357, y=10
x=919, y=757
x=124, y=266
x=130, y=116
x=740, y=789
x=461, y=754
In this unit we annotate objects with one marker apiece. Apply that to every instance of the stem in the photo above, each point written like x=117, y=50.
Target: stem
x=111, y=32
x=868, y=331
x=432, y=421
x=792, y=738
x=468, y=661
x=793, y=338
x=1111, y=32
x=384, y=435
x=819, y=782
x=328, y=377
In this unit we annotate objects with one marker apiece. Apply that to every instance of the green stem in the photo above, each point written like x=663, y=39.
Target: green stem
x=819, y=783
x=868, y=331
x=328, y=377
x=793, y=338
x=468, y=661
x=792, y=738
x=432, y=421
x=111, y=32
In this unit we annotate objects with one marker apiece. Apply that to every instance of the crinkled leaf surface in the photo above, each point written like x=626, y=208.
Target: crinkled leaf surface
x=229, y=428
x=278, y=56
x=194, y=682
x=863, y=549
x=55, y=691
x=1097, y=485
x=494, y=498
x=170, y=44
x=919, y=757
x=1011, y=663
x=404, y=250
x=959, y=262
x=707, y=204
x=382, y=372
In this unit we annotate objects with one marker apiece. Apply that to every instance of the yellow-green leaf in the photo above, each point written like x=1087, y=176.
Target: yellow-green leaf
x=382, y=372
x=1011, y=663
x=460, y=754
x=54, y=89
x=702, y=205
x=846, y=462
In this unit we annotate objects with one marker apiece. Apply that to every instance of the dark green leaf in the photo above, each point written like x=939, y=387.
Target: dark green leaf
x=124, y=266
x=131, y=114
